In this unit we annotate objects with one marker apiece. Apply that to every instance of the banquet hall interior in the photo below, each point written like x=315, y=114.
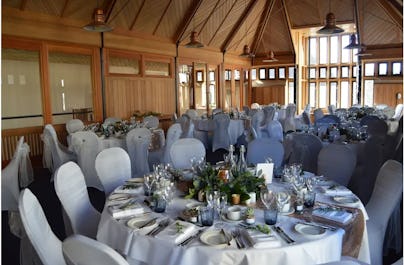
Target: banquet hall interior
x=241, y=84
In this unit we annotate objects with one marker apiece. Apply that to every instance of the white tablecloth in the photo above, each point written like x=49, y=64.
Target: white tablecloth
x=150, y=250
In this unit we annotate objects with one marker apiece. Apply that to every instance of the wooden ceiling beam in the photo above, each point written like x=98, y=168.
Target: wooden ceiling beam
x=62, y=14
x=187, y=20
x=287, y=17
x=209, y=16
x=238, y=24
x=221, y=23
x=162, y=16
x=108, y=7
x=392, y=13
x=262, y=25
x=132, y=25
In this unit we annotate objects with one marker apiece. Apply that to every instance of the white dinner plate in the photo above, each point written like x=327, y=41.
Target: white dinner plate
x=119, y=197
x=346, y=200
x=137, y=222
x=310, y=230
x=135, y=180
x=213, y=238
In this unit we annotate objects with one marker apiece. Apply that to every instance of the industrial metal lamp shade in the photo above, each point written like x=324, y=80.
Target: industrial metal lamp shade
x=98, y=24
x=246, y=51
x=363, y=52
x=270, y=58
x=194, y=43
x=353, y=44
x=330, y=25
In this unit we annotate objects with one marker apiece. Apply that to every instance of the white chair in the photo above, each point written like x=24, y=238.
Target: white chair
x=289, y=124
x=386, y=194
x=71, y=190
x=184, y=149
x=221, y=138
x=398, y=112
x=113, y=168
x=275, y=131
x=318, y=114
x=306, y=118
x=54, y=154
x=87, y=146
x=111, y=120
x=187, y=126
x=72, y=126
x=336, y=162
x=260, y=149
x=82, y=250
x=256, y=121
x=331, y=109
x=151, y=122
x=47, y=246
x=192, y=113
x=163, y=154
x=138, y=142
x=398, y=262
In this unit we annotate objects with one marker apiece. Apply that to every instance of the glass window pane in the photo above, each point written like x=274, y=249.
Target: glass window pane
x=323, y=72
x=322, y=95
x=344, y=94
x=184, y=87
x=382, y=69
x=323, y=50
x=334, y=49
x=354, y=71
x=345, y=52
x=333, y=94
x=123, y=65
x=312, y=94
x=291, y=92
x=262, y=73
x=354, y=57
x=368, y=91
x=397, y=68
x=236, y=74
x=333, y=72
x=354, y=93
x=157, y=68
x=70, y=83
x=313, y=51
x=291, y=72
x=271, y=73
x=20, y=89
x=281, y=72
x=345, y=71
x=369, y=69
x=312, y=73
x=253, y=74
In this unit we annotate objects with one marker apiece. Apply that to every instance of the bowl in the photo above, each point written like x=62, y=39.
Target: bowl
x=234, y=213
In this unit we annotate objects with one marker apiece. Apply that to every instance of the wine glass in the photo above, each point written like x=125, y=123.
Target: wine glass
x=267, y=196
x=220, y=204
x=282, y=199
x=211, y=195
x=149, y=182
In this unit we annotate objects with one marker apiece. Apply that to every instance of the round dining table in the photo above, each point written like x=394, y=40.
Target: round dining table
x=140, y=248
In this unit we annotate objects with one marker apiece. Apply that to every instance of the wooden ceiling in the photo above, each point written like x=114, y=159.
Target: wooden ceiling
x=227, y=25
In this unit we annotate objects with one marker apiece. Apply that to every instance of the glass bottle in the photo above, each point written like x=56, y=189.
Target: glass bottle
x=242, y=164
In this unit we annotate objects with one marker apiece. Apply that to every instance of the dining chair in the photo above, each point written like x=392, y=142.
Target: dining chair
x=163, y=154
x=184, y=149
x=82, y=250
x=151, y=122
x=221, y=138
x=113, y=168
x=302, y=148
x=246, y=110
x=260, y=149
x=47, y=245
x=336, y=162
x=192, y=113
x=111, y=120
x=289, y=124
x=367, y=118
x=318, y=113
x=275, y=131
x=256, y=121
x=386, y=194
x=71, y=190
x=216, y=111
x=269, y=114
x=331, y=109
x=306, y=118
x=72, y=126
x=377, y=128
x=54, y=153
x=398, y=262
x=345, y=260
x=138, y=142
x=187, y=126
x=87, y=146
x=398, y=112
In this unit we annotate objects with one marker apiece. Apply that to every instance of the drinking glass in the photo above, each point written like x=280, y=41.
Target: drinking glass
x=220, y=204
x=282, y=199
x=148, y=183
x=309, y=198
x=270, y=215
x=267, y=196
x=207, y=215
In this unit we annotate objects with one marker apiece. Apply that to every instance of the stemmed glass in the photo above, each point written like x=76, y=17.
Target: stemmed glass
x=149, y=182
x=169, y=191
x=267, y=196
x=282, y=198
x=220, y=203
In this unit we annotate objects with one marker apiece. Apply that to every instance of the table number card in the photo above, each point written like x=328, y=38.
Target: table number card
x=267, y=171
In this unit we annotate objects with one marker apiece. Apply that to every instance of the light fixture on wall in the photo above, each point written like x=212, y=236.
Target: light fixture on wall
x=330, y=26
x=194, y=43
x=353, y=44
x=98, y=24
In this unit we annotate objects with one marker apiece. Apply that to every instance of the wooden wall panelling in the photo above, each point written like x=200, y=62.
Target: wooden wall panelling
x=387, y=94
x=266, y=95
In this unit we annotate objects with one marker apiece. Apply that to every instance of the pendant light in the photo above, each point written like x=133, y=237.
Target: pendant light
x=246, y=49
x=98, y=24
x=330, y=24
x=194, y=43
x=353, y=44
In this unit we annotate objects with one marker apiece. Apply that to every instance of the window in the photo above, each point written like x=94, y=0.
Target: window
x=120, y=64
x=382, y=69
x=323, y=72
x=236, y=74
x=354, y=71
x=368, y=93
x=156, y=68
x=345, y=52
x=227, y=75
x=397, y=68
x=354, y=93
x=334, y=49
x=369, y=69
x=322, y=95
x=313, y=51
x=262, y=74
x=271, y=73
x=291, y=72
x=344, y=94
x=344, y=72
x=333, y=72
x=253, y=74
x=312, y=94
x=281, y=73
x=199, y=76
x=312, y=73
x=333, y=93
x=211, y=75
x=291, y=92
x=323, y=50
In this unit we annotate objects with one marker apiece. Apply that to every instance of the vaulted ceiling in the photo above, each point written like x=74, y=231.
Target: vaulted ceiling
x=227, y=25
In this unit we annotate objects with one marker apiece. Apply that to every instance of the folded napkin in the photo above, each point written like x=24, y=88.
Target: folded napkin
x=261, y=240
x=171, y=233
x=337, y=215
x=132, y=188
x=118, y=199
x=335, y=190
x=126, y=209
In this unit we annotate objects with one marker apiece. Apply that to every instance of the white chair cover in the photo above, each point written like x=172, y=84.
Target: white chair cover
x=216, y=111
x=87, y=146
x=336, y=162
x=221, y=137
x=82, y=250
x=183, y=150
x=269, y=114
x=303, y=148
x=151, y=122
x=318, y=114
x=138, y=142
x=306, y=118
x=256, y=121
x=377, y=128
x=192, y=113
x=386, y=194
x=187, y=126
x=260, y=149
x=48, y=247
x=289, y=124
x=398, y=112
x=275, y=131
x=113, y=168
x=173, y=134
x=54, y=153
x=74, y=125
x=111, y=120
x=307, y=108
x=398, y=262
x=331, y=109
x=71, y=190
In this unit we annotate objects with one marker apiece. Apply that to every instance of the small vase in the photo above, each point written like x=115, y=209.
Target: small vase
x=250, y=220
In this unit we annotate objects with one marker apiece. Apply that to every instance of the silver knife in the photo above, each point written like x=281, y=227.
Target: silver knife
x=148, y=222
x=189, y=239
x=332, y=228
x=285, y=236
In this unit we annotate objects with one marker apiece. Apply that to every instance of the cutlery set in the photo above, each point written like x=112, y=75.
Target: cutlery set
x=163, y=224
x=190, y=239
x=283, y=234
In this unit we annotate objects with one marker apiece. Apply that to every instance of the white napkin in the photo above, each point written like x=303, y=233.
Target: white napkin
x=131, y=188
x=170, y=233
x=337, y=215
x=261, y=240
x=118, y=199
x=126, y=209
x=336, y=191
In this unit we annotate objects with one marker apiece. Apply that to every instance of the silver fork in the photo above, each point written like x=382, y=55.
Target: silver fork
x=236, y=234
